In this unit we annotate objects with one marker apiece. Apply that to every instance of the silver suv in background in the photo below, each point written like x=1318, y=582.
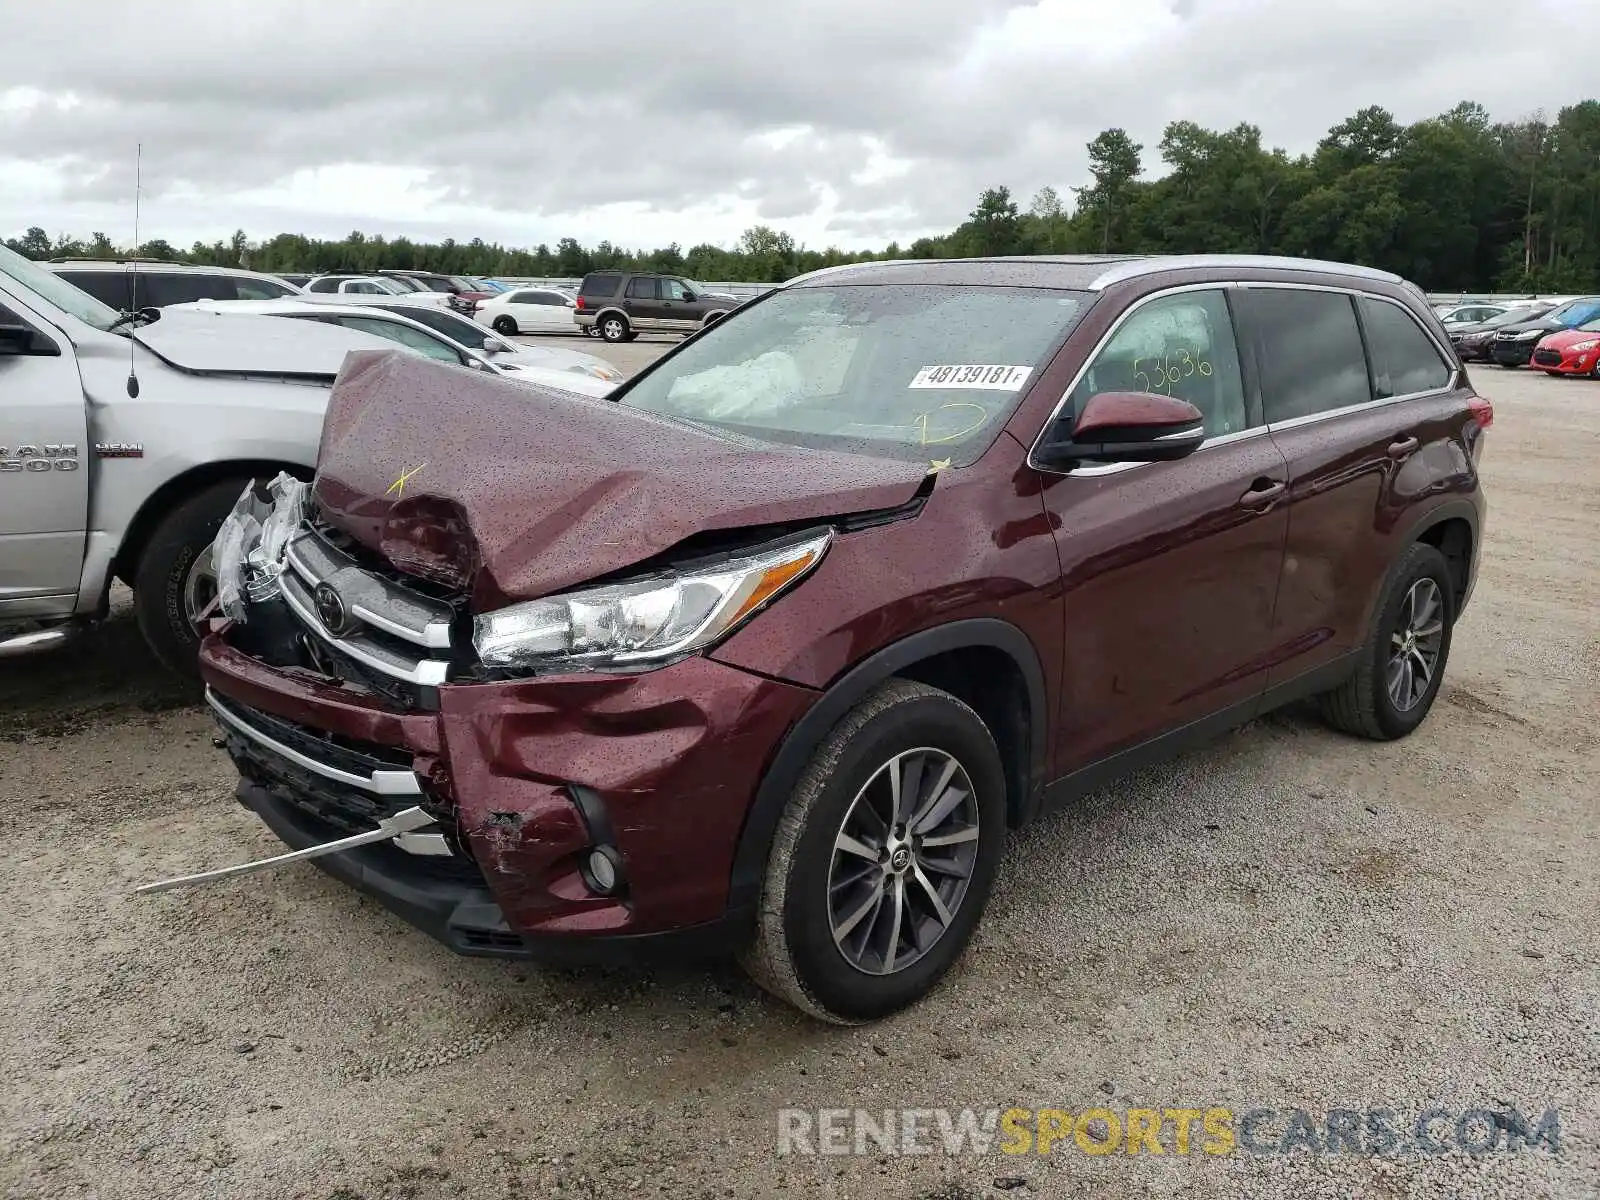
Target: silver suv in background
x=131, y=284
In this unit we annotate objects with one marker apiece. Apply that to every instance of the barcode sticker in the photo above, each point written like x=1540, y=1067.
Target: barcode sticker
x=988, y=377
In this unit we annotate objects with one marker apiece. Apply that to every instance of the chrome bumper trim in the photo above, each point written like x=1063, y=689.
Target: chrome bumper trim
x=383, y=783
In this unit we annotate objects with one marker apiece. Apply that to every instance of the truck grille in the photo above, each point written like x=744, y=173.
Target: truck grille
x=365, y=627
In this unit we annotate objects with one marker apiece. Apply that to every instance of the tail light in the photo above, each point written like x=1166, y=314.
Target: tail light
x=578, y=303
x=1482, y=411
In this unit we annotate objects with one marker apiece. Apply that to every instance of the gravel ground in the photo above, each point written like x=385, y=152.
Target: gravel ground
x=1289, y=919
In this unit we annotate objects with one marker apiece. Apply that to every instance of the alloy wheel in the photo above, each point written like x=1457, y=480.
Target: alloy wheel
x=1415, y=644
x=200, y=586
x=902, y=861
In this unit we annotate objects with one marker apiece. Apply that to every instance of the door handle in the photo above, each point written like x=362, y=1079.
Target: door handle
x=1401, y=447
x=1263, y=492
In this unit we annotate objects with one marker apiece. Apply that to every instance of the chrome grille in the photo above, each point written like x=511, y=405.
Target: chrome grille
x=388, y=629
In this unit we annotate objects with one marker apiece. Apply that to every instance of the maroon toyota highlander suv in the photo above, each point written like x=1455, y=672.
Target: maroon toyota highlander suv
x=766, y=652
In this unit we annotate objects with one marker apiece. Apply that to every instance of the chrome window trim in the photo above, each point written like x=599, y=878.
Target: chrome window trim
x=383, y=783
x=1090, y=470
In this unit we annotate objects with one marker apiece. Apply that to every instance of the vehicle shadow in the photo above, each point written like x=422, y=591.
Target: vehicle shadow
x=103, y=672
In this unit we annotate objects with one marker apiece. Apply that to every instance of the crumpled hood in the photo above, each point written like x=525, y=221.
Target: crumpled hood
x=518, y=492
x=238, y=344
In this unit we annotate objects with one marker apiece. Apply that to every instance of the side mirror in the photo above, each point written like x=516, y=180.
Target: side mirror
x=23, y=341
x=1125, y=427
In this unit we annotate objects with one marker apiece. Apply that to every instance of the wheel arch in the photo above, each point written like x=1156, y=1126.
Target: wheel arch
x=1452, y=529
x=612, y=310
x=943, y=656
x=171, y=493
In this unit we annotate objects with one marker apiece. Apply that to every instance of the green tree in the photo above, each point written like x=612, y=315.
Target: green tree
x=1114, y=166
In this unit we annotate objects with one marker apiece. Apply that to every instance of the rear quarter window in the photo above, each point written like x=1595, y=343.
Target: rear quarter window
x=601, y=285
x=1404, y=358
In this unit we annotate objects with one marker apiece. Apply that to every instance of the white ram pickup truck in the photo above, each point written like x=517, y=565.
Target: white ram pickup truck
x=124, y=441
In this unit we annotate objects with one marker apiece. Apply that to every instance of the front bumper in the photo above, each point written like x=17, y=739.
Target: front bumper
x=526, y=777
x=1512, y=354
x=1565, y=362
x=468, y=919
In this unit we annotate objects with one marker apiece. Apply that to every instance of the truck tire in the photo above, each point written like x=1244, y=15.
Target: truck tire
x=166, y=577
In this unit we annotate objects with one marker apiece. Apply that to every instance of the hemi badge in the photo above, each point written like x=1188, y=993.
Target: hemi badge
x=119, y=449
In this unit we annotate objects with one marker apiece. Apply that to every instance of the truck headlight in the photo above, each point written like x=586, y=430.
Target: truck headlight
x=645, y=622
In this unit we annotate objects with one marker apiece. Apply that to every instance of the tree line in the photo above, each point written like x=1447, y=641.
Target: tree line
x=1452, y=202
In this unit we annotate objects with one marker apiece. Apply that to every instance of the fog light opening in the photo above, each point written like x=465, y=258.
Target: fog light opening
x=602, y=871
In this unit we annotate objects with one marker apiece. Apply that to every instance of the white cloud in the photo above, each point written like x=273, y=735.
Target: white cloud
x=847, y=121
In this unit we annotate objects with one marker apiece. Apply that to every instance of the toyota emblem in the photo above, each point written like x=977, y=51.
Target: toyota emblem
x=330, y=607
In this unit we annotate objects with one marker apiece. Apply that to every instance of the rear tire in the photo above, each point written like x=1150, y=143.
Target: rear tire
x=614, y=328
x=1366, y=704
x=827, y=915
x=505, y=326
x=167, y=571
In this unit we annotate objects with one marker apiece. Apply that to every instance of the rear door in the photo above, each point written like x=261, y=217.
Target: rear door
x=1170, y=569
x=44, y=484
x=1360, y=401
x=548, y=312
x=644, y=304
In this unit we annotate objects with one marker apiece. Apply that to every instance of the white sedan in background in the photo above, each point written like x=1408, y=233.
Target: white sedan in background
x=528, y=310
x=547, y=366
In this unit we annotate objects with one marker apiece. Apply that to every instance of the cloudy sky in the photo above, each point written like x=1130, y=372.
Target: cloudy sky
x=846, y=122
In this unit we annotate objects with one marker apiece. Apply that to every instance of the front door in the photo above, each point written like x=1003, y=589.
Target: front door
x=683, y=314
x=1170, y=570
x=44, y=477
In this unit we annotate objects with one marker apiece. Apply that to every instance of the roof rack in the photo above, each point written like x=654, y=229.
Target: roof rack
x=165, y=262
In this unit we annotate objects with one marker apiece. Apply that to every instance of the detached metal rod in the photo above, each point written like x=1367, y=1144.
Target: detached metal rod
x=402, y=822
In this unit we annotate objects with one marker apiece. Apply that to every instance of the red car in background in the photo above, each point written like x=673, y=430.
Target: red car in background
x=1570, y=352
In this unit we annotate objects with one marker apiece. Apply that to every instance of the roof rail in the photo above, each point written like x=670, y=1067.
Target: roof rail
x=1134, y=267
x=165, y=262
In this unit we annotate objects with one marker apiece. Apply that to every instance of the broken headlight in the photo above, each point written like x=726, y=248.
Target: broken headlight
x=248, y=551
x=645, y=622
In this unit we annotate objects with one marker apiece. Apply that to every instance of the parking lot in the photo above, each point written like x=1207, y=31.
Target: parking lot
x=1288, y=919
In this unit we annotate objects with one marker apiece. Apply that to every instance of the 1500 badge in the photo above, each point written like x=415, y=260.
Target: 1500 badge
x=38, y=458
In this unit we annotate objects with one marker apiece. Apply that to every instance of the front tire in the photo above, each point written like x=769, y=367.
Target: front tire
x=1405, y=655
x=884, y=857
x=505, y=326
x=174, y=582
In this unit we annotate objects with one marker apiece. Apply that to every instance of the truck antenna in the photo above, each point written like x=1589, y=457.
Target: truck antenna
x=133, y=276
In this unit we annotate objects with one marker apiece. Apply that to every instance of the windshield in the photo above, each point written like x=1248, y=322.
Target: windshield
x=916, y=371
x=55, y=290
x=1591, y=326
x=389, y=286
x=1576, y=313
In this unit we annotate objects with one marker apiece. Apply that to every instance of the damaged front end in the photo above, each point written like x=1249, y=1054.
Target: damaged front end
x=282, y=598
x=508, y=809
